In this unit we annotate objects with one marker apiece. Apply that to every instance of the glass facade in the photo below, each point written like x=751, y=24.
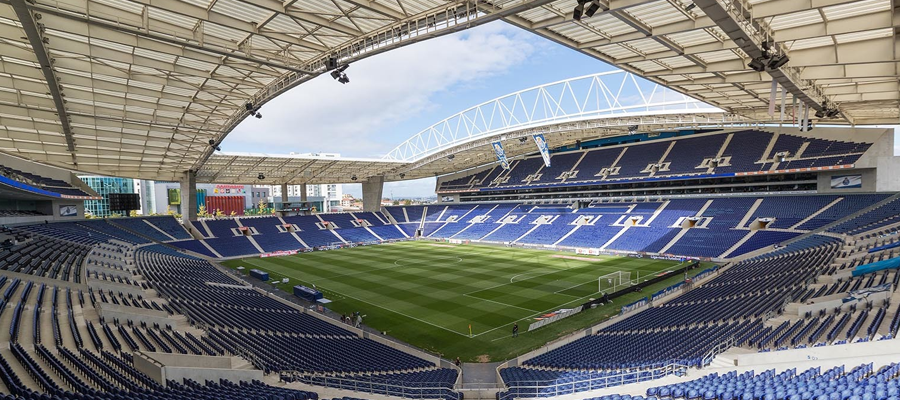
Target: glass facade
x=104, y=186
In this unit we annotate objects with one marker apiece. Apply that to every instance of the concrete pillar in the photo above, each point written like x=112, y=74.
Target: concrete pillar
x=372, y=192
x=284, y=193
x=303, y=192
x=189, y=196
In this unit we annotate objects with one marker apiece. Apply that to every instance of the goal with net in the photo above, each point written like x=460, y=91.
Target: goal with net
x=614, y=281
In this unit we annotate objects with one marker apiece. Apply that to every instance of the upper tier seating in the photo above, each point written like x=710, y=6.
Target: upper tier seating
x=29, y=181
x=160, y=228
x=663, y=158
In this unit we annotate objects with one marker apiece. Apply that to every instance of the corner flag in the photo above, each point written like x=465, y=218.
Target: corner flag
x=470, y=329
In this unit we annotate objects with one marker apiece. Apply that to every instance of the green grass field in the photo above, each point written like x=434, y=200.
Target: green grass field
x=428, y=294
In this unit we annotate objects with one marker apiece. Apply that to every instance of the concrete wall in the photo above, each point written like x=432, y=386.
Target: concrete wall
x=879, y=164
x=123, y=313
x=98, y=284
x=164, y=366
x=372, y=192
x=150, y=367
x=853, y=350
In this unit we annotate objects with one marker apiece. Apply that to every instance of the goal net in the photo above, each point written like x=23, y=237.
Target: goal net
x=612, y=282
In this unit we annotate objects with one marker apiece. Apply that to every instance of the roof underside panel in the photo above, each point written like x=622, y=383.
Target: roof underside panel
x=140, y=88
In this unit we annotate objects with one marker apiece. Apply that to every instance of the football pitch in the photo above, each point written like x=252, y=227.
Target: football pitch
x=429, y=294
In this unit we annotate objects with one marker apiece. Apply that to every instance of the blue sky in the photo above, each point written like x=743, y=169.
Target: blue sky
x=394, y=95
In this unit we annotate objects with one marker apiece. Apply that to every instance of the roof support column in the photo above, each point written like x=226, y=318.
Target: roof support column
x=373, y=192
x=303, y=192
x=188, y=196
x=284, y=193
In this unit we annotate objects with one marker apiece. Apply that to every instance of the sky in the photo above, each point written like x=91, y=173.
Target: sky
x=394, y=95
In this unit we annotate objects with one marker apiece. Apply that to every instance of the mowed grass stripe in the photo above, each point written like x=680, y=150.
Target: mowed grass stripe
x=385, y=289
x=452, y=287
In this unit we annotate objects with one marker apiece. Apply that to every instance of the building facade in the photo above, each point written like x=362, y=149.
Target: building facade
x=222, y=197
x=105, y=185
x=331, y=194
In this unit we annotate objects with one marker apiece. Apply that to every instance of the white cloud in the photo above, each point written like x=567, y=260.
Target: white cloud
x=325, y=116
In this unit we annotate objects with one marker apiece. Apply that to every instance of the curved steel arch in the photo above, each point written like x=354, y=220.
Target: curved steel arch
x=605, y=94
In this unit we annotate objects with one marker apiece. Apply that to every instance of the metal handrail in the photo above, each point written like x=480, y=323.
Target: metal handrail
x=554, y=388
x=719, y=349
x=397, y=388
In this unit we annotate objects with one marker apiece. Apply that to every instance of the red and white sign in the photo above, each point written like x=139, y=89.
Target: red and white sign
x=279, y=253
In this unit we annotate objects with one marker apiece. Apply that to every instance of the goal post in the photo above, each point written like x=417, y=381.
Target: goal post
x=614, y=281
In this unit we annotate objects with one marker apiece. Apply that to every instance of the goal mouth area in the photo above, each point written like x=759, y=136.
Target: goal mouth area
x=614, y=281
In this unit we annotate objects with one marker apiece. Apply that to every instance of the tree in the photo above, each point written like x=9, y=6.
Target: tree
x=201, y=212
x=115, y=215
x=219, y=213
x=407, y=202
x=396, y=203
x=233, y=213
x=263, y=206
x=132, y=213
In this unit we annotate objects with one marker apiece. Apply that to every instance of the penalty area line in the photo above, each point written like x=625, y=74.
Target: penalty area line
x=501, y=303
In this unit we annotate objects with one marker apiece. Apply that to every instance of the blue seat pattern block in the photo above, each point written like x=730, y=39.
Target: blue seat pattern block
x=718, y=235
x=145, y=226
x=862, y=382
x=194, y=245
x=884, y=215
x=233, y=246
x=310, y=232
x=242, y=320
x=44, y=255
x=344, y=354
x=221, y=228
x=733, y=305
x=746, y=151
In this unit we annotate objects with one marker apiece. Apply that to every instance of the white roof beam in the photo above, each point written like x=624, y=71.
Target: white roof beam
x=36, y=39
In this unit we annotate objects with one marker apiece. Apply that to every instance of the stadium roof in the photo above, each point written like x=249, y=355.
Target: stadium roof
x=138, y=88
x=313, y=169
x=843, y=50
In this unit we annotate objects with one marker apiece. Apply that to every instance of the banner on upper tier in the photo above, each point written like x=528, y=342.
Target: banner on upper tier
x=543, y=148
x=501, y=155
x=846, y=182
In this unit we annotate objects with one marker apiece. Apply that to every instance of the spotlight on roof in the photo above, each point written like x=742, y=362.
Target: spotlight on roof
x=331, y=63
x=831, y=113
x=523, y=139
x=820, y=114
x=592, y=9
x=778, y=61
x=690, y=7
x=339, y=75
x=757, y=64
x=632, y=129
x=212, y=143
x=353, y=178
x=260, y=176
x=253, y=110
x=402, y=175
x=579, y=10
x=451, y=157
